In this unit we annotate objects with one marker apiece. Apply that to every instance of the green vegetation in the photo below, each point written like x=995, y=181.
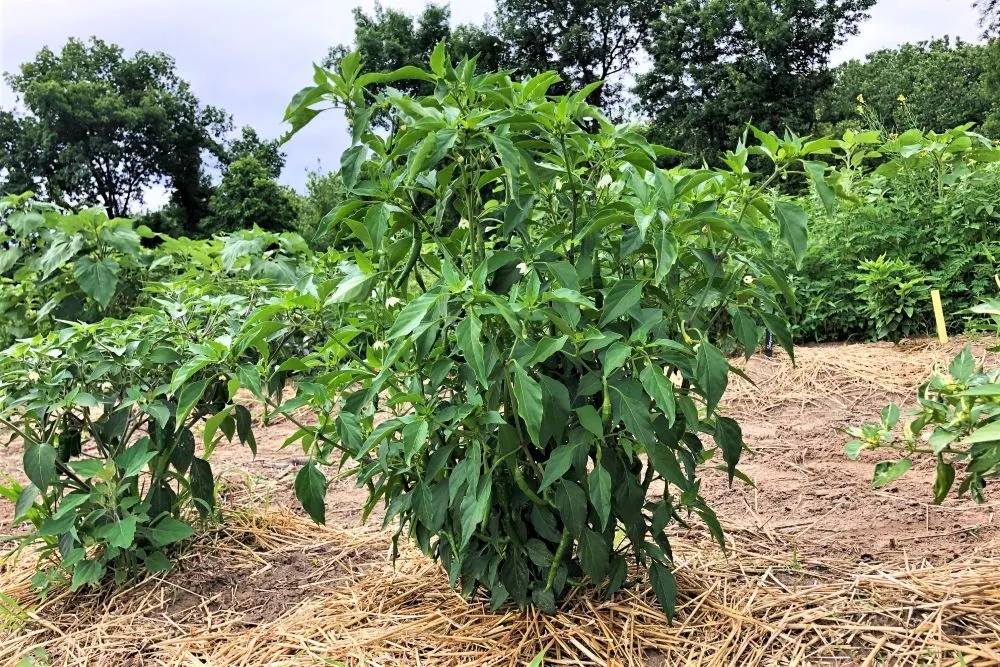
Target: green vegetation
x=957, y=422
x=508, y=310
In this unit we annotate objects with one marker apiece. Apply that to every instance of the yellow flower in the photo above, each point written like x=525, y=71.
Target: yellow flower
x=861, y=99
x=901, y=99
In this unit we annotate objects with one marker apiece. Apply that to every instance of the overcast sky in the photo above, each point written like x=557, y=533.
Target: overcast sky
x=250, y=56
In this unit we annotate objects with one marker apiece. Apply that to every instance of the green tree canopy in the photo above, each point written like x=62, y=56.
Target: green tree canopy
x=718, y=64
x=934, y=85
x=267, y=151
x=249, y=195
x=391, y=39
x=584, y=40
x=96, y=126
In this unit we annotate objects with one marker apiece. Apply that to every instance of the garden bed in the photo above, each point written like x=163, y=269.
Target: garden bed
x=819, y=566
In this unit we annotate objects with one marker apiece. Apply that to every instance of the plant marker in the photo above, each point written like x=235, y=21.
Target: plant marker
x=942, y=332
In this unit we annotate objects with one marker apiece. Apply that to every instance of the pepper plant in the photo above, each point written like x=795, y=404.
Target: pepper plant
x=530, y=389
x=957, y=421
x=107, y=415
x=57, y=265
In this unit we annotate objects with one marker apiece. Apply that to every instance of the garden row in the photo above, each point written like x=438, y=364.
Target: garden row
x=521, y=328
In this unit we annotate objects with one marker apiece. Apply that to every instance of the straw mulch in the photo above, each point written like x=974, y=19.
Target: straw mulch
x=845, y=375
x=765, y=604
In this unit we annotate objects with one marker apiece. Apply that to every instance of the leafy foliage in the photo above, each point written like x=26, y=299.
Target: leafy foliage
x=101, y=127
x=106, y=417
x=719, y=63
x=934, y=85
x=891, y=292
x=924, y=201
x=250, y=196
x=957, y=422
x=529, y=306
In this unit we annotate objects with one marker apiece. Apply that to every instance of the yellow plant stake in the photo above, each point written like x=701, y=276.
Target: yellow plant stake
x=942, y=332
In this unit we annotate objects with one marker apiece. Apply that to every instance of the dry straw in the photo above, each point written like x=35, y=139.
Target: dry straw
x=270, y=588
x=845, y=376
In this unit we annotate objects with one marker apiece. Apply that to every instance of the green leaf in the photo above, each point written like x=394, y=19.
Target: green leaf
x=474, y=509
x=595, y=554
x=438, y=59
x=244, y=428
x=571, y=502
x=545, y=348
x=661, y=390
x=529, y=402
x=888, y=472
x=87, y=572
x=98, y=280
x=135, y=458
x=187, y=399
x=412, y=315
x=600, y=493
x=963, y=365
x=666, y=253
x=310, y=489
x=817, y=172
x=202, y=485
x=40, y=464
x=469, y=335
x=615, y=357
x=249, y=378
x=590, y=420
x=630, y=404
x=414, y=438
x=792, y=223
x=25, y=501
x=157, y=562
x=746, y=331
x=988, y=433
x=559, y=462
x=622, y=296
x=119, y=533
x=510, y=158
x=729, y=437
x=664, y=586
x=159, y=412
x=168, y=531
x=712, y=373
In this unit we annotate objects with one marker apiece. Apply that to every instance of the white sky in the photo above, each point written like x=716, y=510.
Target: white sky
x=250, y=56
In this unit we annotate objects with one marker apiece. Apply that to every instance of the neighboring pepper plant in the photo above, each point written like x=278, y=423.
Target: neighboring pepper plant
x=57, y=265
x=957, y=422
x=528, y=305
x=106, y=414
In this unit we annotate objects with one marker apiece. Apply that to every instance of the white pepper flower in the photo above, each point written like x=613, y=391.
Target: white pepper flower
x=605, y=181
x=33, y=376
x=748, y=280
x=524, y=268
x=393, y=301
x=380, y=345
x=463, y=224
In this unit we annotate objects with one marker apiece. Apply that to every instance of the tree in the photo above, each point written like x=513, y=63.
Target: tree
x=391, y=39
x=249, y=195
x=96, y=126
x=935, y=85
x=718, y=64
x=583, y=40
x=268, y=152
x=989, y=16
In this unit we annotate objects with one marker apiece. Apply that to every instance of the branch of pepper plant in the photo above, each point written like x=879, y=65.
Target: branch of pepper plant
x=729, y=242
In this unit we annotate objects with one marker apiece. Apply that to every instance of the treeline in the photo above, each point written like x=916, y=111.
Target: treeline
x=93, y=125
